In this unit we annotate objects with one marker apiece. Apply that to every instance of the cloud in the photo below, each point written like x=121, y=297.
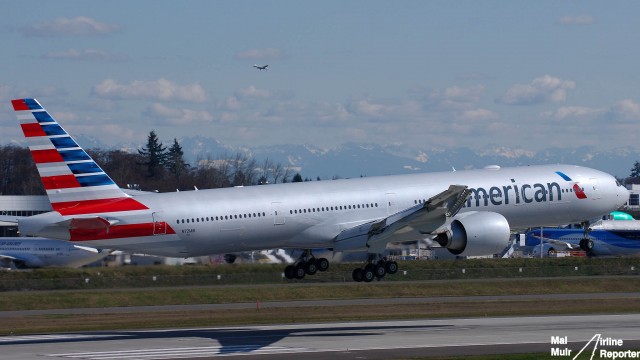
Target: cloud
x=172, y=116
x=627, y=109
x=577, y=20
x=478, y=114
x=573, y=112
x=83, y=55
x=260, y=54
x=161, y=89
x=79, y=26
x=316, y=113
x=253, y=92
x=455, y=98
x=231, y=103
x=542, y=89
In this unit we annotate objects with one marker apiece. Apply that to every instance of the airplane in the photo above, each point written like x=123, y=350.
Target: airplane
x=604, y=238
x=619, y=216
x=27, y=253
x=468, y=212
x=263, y=67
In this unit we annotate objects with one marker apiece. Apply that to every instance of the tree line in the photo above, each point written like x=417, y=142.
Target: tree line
x=152, y=168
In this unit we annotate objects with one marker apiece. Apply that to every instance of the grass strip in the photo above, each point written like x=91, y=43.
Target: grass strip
x=213, y=318
x=68, y=299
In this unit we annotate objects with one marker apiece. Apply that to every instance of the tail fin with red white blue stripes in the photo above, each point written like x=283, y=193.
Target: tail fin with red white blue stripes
x=74, y=183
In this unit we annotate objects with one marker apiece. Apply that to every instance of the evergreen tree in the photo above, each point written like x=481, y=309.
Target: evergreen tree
x=635, y=170
x=175, y=160
x=154, y=153
x=297, y=178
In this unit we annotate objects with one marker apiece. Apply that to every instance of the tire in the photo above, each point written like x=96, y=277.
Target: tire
x=290, y=272
x=356, y=274
x=391, y=267
x=310, y=267
x=589, y=244
x=323, y=264
x=379, y=270
x=583, y=244
x=300, y=271
x=367, y=274
x=229, y=258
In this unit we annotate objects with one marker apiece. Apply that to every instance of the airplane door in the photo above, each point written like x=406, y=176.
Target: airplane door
x=278, y=213
x=159, y=225
x=392, y=206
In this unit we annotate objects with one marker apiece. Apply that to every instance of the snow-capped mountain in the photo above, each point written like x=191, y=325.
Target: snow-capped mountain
x=354, y=160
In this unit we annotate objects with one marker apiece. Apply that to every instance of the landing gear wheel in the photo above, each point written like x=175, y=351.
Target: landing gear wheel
x=379, y=270
x=368, y=274
x=290, y=272
x=588, y=244
x=582, y=245
x=311, y=267
x=300, y=271
x=357, y=275
x=323, y=264
x=391, y=267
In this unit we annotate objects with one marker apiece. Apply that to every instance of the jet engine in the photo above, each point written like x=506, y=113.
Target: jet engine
x=475, y=234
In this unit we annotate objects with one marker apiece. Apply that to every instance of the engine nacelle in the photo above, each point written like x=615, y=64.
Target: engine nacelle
x=476, y=234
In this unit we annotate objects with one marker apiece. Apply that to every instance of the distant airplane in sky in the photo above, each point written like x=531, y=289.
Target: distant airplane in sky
x=263, y=67
x=24, y=252
x=468, y=212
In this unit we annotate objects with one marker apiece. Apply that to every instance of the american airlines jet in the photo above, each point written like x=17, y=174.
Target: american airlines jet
x=467, y=212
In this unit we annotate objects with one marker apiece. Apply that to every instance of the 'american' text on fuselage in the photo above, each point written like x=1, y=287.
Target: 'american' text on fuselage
x=523, y=194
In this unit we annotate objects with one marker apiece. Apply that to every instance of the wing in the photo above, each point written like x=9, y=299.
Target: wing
x=7, y=262
x=13, y=262
x=424, y=218
x=566, y=244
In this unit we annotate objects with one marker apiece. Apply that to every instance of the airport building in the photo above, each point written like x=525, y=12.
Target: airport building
x=26, y=205
x=634, y=197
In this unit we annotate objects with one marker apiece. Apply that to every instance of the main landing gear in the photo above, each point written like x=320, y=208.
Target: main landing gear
x=586, y=243
x=307, y=264
x=375, y=268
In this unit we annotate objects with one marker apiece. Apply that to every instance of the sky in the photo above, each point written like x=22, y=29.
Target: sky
x=426, y=74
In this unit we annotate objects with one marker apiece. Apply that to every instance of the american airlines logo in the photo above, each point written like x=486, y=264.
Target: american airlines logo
x=521, y=193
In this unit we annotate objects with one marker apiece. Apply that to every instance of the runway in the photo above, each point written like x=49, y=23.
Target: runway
x=347, y=340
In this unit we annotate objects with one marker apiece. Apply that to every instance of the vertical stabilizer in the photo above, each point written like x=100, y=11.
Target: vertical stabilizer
x=74, y=183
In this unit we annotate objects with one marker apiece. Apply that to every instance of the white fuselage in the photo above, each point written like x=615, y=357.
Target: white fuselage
x=311, y=214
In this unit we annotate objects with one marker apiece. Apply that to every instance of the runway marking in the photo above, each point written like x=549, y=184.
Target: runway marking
x=189, y=352
x=240, y=350
x=26, y=338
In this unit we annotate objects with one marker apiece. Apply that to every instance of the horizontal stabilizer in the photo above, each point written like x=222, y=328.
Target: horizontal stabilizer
x=88, y=223
x=9, y=219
